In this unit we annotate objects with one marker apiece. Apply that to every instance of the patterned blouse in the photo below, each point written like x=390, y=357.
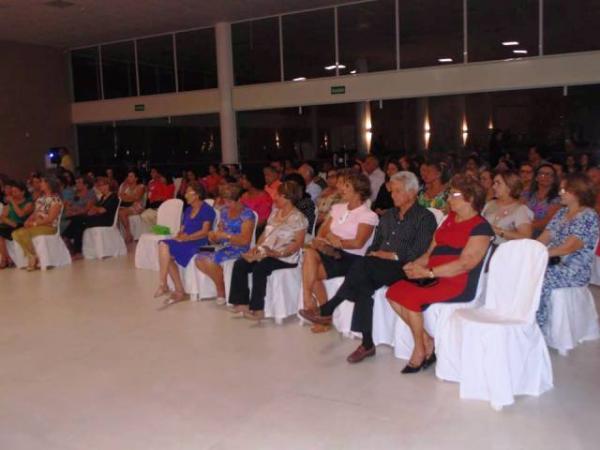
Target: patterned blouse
x=437, y=202
x=44, y=204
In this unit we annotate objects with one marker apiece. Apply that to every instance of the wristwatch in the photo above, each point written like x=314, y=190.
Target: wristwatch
x=431, y=274
x=395, y=257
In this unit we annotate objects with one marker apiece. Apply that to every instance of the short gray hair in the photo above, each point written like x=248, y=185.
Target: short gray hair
x=408, y=179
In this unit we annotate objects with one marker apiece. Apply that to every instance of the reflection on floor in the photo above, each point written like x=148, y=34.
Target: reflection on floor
x=89, y=362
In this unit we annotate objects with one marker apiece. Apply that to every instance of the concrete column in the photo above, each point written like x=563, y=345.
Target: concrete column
x=229, y=147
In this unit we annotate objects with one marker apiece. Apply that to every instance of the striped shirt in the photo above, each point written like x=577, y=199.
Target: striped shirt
x=408, y=237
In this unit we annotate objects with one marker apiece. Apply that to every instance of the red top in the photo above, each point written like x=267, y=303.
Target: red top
x=260, y=204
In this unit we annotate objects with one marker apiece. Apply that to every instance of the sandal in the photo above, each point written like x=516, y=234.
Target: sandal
x=175, y=297
x=161, y=290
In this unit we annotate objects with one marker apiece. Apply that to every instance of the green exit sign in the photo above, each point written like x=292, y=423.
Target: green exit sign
x=338, y=90
x=140, y=107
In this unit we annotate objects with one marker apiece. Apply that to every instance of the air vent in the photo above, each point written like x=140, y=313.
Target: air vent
x=59, y=4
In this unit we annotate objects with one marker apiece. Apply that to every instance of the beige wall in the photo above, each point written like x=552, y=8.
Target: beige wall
x=536, y=72
x=34, y=106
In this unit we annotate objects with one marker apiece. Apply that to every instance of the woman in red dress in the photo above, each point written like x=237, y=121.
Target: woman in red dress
x=454, y=260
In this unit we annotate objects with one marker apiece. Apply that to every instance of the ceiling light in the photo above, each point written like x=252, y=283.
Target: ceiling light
x=299, y=79
x=520, y=52
x=510, y=43
x=445, y=60
x=353, y=71
x=333, y=66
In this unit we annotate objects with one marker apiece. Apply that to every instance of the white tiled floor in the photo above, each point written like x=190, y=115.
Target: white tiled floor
x=89, y=362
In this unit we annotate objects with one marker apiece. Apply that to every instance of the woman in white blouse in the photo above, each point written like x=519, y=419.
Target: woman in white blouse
x=509, y=218
x=344, y=237
x=277, y=248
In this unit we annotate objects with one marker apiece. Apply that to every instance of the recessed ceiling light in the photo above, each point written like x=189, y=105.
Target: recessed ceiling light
x=510, y=43
x=59, y=4
x=299, y=79
x=353, y=71
x=333, y=66
x=520, y=52
x=445, y=60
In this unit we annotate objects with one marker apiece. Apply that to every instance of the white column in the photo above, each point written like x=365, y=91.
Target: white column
x=229, y=148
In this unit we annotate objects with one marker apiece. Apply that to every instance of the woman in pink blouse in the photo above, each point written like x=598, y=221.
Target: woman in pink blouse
x=256, y=198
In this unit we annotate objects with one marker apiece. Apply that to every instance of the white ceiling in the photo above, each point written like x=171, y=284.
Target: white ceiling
x=96, y=21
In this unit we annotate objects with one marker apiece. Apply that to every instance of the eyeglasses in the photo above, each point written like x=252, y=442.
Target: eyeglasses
x=455, y=194
x=562, y=191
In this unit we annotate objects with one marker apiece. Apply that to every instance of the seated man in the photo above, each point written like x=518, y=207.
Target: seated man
x=403, y=234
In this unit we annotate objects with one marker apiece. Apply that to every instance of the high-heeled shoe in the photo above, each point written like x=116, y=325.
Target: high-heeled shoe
x=430, y=360
x=413, y=369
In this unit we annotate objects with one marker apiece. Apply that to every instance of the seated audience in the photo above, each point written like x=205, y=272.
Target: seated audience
x=256, y=198
x=486, y=178
x=526, y=174
x=277, y=248
x=232, y=236
x=434, y=192
x=543, y=198
x=307, y=172
x=112, y=181
x=452, y=264
x=383, y=200
x=329, y=196
x=305, y=205
x=571, y=164
x=342, y=239
x=67, y=186
x=593, y=174
x=212, y=181
x=509, y=218
x=189, y=177
x=196, y=223
x=160, y=189
x=585, y=162
x=43, y=220
x=84, y=197
x=272, y=180
x=102, y=214
x=376, y=176
x=132, y=194
x=14, y=214
x=403, y=234
x=570, y=237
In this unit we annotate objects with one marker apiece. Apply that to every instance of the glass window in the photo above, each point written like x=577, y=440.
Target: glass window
x=367, y=36
x=95, y=144
x=570, y=26
x=256, y=51
x=502, y=30
x=431, y=32
x=86, y=74
x=118, y=70
x=196, y=60
x=309, y=44
x=155, y=65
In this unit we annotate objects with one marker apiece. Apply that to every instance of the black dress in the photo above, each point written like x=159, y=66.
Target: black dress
x=79, y=224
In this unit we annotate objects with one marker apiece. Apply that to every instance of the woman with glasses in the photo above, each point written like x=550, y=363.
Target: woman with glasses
x=570, y=237
x=451, y=266
x=329, y=196
x=196, y=223
x=526, y=174
x=543, y=198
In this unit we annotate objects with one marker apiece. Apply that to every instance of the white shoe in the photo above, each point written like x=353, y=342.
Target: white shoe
x=221, y=301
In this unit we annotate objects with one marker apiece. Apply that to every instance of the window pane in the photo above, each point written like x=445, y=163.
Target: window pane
x=256, y=51
x=430, y=31
x=196, y=60
x=493, y=23
x=86, y=76
x=95, y=144
x=118, y=70
x=367, y=36
x=155, y=63
x=309, y=44
x=570, y=26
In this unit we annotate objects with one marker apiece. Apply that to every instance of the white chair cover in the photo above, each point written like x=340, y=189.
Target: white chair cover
x=51, y=249
x=595, y=280
x=499, y=350
x=146, y=250
x=102, y=242
x=16, y=254
x=283, y=290
x=573, y=319
x=439, y=215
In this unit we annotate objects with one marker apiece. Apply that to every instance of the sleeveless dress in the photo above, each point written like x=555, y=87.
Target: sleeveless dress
x=451, y=238
x=182, y=252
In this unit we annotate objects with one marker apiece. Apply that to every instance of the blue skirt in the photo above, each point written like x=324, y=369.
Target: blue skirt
x=183, y=252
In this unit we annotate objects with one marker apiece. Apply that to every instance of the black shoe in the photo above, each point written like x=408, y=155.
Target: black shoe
x=429, y=361
x=411, y=369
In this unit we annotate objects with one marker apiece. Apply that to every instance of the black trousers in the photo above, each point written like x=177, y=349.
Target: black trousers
x=79, y=224
x=366, y=275
x=260, y=270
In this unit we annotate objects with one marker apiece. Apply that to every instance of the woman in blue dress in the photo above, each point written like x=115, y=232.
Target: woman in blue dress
x=196, y=223
x=232, y=236
x=571, y=235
